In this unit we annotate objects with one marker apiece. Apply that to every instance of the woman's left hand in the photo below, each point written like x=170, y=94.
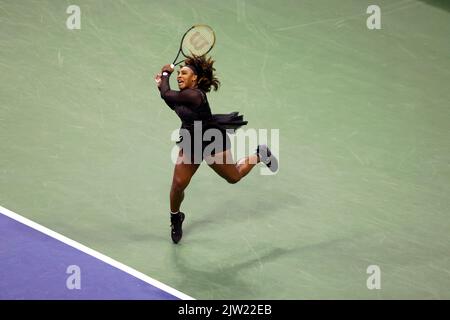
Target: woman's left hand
x=158, y=79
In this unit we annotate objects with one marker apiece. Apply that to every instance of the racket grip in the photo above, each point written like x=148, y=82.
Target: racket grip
x=165, y=73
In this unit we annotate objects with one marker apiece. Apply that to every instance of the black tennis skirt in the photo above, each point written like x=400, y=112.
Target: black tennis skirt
x=209, y=137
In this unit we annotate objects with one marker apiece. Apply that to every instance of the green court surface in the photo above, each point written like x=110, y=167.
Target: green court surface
x=364, y=124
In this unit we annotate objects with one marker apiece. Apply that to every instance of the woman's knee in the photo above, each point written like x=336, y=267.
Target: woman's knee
x=233, y=179
x=179, y=183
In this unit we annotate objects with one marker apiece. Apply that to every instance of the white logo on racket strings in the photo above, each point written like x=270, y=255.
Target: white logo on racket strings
x=73, y=22
x=198, y=41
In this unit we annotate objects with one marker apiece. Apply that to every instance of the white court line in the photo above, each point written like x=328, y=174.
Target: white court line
x=95, y=254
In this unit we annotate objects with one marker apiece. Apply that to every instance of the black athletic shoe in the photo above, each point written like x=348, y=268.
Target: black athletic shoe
x=176, y=222
x=267, y=157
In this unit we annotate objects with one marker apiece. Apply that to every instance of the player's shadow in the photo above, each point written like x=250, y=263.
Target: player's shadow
x=260, y=208
x=224, y=280
x=141, y=232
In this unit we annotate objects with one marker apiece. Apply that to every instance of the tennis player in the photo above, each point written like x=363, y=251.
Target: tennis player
x=195, y=79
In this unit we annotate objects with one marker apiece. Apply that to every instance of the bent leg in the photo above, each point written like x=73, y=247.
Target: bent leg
x=222, y=163
x=182, y=175
x=245, y=165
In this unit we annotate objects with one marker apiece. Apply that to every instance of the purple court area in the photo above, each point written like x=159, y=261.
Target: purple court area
x=33, y=266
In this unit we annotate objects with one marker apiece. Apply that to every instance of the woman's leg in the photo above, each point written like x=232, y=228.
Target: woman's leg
x=223, y=164
x=182, y=175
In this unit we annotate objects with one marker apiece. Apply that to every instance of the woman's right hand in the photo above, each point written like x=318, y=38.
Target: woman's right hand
x=167, y=68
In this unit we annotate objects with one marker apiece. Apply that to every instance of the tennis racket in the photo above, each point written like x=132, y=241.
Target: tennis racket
x=198, y=40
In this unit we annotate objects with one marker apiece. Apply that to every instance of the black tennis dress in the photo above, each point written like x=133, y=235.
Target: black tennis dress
x=192, y=107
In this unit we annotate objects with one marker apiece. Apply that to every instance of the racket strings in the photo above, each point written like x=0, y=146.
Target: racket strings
x=198, y=41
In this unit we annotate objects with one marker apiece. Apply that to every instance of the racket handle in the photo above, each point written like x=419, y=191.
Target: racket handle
x=165, y=73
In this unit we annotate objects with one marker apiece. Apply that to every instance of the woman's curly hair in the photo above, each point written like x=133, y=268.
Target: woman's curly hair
x=206, y=77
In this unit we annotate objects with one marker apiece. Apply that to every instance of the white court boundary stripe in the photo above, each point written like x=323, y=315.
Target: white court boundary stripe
x=95, y=254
